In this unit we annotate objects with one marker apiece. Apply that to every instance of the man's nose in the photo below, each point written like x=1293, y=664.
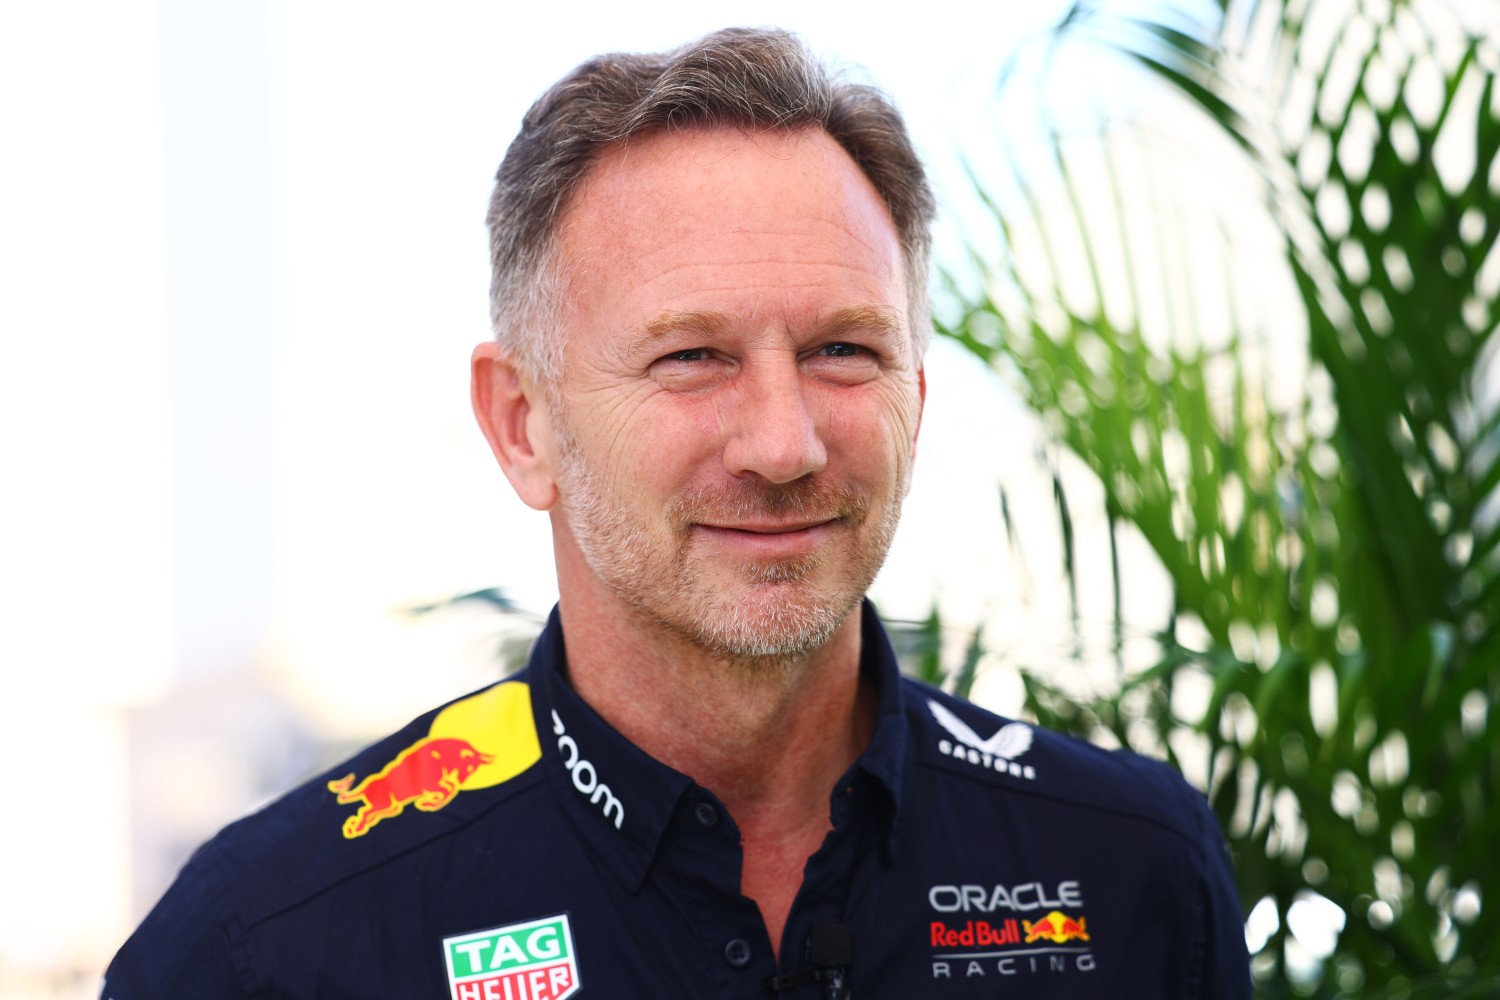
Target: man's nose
x=774, y=430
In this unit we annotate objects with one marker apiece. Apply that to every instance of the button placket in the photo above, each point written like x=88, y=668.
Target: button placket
x=702, y=862
x=737, y=953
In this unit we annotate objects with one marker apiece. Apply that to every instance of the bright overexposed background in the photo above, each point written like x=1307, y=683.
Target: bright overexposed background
x=244, y=264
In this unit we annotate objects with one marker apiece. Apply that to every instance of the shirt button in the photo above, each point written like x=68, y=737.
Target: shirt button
x=737, y=953
x=707, y=815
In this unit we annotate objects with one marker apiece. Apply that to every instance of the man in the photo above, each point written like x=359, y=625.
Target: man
x=710, y=311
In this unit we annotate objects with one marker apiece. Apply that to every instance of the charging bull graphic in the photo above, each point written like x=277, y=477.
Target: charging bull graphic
x=1056, y=927
x=426, y=774
x=475, y=743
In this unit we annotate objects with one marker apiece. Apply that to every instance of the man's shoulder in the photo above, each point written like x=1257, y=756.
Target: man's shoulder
x=1033, y=765
x=412, y=791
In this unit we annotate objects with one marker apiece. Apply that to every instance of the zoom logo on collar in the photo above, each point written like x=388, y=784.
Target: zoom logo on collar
x=585, y=776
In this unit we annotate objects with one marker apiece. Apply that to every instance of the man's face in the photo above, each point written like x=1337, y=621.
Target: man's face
x=739, y=401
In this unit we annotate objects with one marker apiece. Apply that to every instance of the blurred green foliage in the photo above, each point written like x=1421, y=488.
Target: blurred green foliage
x=1331, y=662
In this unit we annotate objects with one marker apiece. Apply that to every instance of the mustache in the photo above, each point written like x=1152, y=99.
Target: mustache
x=744, y=499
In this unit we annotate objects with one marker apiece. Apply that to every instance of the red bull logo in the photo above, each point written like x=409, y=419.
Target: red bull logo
x=427, y=774
x=475, y=743
x=1057, y=927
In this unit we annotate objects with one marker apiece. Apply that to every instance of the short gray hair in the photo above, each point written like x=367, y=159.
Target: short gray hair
x=740, y=77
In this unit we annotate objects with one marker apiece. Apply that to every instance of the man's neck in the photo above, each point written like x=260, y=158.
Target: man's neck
x=764, y=738
x=770, y=740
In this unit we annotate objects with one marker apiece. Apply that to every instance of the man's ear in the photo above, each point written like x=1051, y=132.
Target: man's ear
x=516, y=423
x=921, y=405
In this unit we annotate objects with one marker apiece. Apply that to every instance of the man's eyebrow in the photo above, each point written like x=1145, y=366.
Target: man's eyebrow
x=693, y=321
x=882, y=320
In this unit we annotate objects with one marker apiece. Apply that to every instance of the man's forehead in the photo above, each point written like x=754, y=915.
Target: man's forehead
x=678, y=173
x=717, y=229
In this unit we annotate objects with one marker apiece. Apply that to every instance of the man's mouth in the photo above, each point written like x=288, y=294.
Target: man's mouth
x=768, y=522
x=770, y=527
x=768, y=540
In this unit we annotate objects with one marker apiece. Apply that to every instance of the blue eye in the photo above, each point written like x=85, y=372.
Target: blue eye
x=692, y=354
x=840, y=350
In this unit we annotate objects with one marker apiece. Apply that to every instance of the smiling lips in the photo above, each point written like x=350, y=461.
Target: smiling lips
x=772, y=528
x=770, y=540
x=769, y=521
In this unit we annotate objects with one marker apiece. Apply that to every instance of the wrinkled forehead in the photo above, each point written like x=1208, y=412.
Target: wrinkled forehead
x=789, y=203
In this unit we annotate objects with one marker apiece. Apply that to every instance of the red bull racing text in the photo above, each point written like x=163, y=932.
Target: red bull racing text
x=1055, y=942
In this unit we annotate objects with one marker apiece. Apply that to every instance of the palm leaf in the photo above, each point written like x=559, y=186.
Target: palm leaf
x=1331, y=658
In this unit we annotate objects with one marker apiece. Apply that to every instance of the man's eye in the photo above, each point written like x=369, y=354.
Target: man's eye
x=692, y=354
x=841, y=350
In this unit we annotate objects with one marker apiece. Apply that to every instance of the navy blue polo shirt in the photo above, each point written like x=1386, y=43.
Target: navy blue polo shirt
x=513, y=846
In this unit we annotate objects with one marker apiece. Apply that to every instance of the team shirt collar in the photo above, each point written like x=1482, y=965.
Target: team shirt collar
x=887, y=760
x=624, y=802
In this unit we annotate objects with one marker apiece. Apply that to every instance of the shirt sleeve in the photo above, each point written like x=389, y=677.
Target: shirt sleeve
x=1224, y=973
x=181, y=949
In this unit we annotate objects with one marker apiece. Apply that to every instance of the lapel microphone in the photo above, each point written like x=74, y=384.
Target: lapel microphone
x=830, y=951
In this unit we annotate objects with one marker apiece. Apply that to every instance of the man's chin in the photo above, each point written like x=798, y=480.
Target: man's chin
x=770, y=579
x=775, y=622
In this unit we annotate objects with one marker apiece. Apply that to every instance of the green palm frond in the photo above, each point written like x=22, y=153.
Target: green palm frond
x=1332, y=657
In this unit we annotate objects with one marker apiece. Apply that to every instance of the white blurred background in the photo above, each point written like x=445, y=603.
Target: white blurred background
x=243, y=264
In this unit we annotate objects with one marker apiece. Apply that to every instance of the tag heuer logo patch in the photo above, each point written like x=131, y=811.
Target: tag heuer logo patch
x=530, y=961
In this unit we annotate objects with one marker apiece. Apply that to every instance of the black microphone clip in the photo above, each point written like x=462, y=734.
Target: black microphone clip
x=830, y=951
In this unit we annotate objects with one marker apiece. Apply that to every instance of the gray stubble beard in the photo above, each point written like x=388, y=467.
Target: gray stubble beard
x=759, y=637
